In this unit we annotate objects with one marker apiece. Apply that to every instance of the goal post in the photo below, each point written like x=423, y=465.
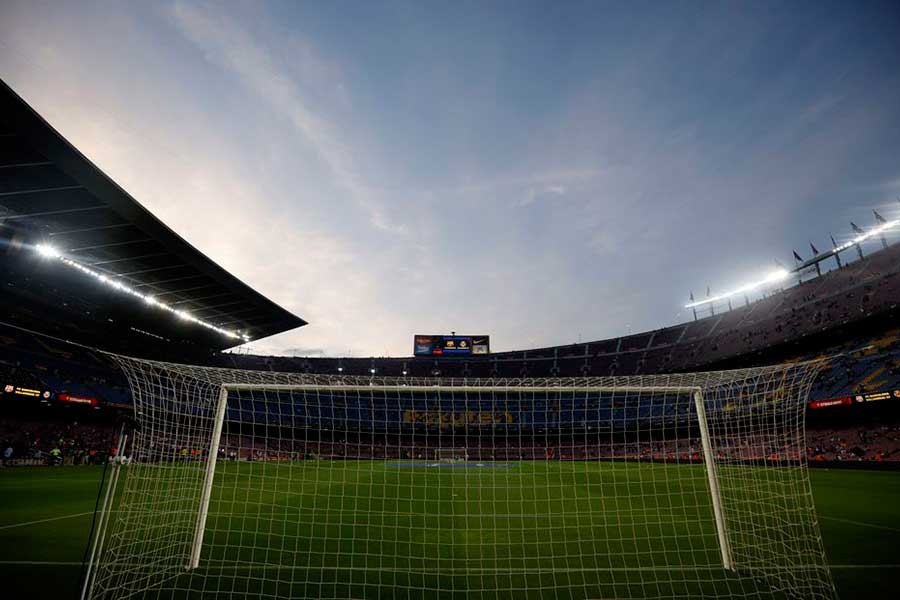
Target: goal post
x=266, y=485
x=212, y=456
x=710, y=464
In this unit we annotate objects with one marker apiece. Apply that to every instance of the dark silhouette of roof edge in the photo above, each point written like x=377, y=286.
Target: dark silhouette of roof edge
x=47, y=140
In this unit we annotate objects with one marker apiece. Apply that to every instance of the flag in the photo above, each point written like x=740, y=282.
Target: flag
x=878, y=217
x=856, y=227
x=797, y=256
x=813, y=248
x=692, y=296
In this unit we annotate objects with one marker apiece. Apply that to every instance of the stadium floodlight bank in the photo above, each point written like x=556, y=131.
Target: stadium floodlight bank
x=253, y=484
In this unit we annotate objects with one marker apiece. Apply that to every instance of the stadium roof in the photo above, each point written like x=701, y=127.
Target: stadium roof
x=53, y=192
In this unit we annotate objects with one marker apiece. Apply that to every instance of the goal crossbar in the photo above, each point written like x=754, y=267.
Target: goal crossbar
x=268, y=387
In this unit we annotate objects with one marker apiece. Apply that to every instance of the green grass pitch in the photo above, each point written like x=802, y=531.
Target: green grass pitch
x=422, y=520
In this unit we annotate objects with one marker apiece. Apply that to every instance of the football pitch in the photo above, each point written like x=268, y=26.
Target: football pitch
x=382, y=530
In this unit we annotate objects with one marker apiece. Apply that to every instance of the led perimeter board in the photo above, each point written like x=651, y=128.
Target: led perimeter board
x=451, y=345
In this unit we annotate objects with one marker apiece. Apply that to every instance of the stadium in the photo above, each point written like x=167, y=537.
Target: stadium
x=750, y=449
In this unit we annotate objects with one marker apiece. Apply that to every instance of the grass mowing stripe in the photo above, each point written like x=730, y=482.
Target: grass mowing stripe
x=39, y=521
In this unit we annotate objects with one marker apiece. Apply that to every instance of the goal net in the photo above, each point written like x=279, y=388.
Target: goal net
x=253, y=484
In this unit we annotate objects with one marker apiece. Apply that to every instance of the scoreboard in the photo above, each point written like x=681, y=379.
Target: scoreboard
x=451, y=345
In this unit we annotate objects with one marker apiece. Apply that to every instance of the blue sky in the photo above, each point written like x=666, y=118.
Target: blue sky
x=540, y=172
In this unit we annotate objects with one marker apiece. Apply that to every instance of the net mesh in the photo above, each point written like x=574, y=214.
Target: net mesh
x=334, y=487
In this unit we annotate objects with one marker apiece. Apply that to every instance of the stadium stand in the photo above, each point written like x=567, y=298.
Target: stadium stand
x=847, y=313
x=53, y=436
x=859, y=366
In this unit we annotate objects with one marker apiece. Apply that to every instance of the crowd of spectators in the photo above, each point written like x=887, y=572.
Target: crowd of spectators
x=859, y=443
x=36, y=442
x=54, y=442
x=864, y=443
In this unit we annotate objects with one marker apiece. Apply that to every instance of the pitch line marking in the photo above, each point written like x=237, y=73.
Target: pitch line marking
x=39, y=563
x=861, y=523
x=39, y=521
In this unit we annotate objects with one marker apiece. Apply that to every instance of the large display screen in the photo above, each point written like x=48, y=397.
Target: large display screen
x=859, y=398
x=451, y=345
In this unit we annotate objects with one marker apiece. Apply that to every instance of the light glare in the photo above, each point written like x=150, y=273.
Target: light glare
x=47, y=251
x=50, y=252
x=864, y=236
x=773, y=277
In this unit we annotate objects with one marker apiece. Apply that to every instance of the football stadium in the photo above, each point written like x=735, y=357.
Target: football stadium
x=749, y=448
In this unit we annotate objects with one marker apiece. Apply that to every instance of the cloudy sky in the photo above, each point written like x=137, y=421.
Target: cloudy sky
x=540, y=172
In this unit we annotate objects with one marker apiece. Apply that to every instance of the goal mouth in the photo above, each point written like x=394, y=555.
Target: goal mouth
x=675, y=486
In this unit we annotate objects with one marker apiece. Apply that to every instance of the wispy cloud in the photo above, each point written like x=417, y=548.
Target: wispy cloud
x=228, y=45
x=535, y=193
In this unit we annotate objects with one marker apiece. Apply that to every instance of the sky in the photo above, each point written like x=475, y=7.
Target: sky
x=544, y=173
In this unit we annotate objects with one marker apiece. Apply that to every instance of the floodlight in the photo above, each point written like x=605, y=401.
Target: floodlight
x=773, y=277
x=47, y=251
x=866, y=235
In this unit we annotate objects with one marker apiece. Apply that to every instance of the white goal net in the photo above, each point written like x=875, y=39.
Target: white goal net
x=253, y=484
